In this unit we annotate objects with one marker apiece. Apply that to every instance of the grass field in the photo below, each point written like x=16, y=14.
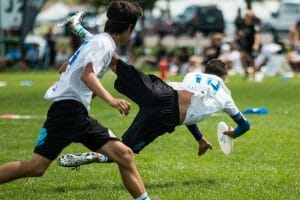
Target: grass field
x=265, y=163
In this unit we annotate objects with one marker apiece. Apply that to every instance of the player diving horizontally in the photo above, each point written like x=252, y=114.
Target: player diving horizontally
x=163, y=106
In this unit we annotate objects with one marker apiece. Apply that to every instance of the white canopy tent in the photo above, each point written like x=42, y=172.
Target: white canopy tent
x=55, y=13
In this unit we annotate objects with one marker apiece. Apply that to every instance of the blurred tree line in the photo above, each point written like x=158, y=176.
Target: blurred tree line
x=146, y=4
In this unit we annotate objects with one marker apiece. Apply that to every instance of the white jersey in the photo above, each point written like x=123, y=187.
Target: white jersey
x=97, y=50
x=210, y=96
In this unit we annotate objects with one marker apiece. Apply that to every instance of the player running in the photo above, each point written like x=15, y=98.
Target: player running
x=68, y=119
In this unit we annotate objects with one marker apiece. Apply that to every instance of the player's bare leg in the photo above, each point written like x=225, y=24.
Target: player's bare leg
x=21, y=169
x=123, y=156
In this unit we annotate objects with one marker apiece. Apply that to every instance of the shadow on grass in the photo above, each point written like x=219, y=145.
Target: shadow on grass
x=151, y=185
x=190, y=182
x=74, y=188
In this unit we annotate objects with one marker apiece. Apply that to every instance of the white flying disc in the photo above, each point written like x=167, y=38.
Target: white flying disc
x=225, y=142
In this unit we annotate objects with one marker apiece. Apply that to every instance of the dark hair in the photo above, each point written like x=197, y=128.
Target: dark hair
x=121, y=14
x=216, y=67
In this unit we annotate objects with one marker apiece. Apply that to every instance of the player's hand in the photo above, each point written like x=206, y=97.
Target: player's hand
x=204, y=145
x=229, y=132
x=122, y=105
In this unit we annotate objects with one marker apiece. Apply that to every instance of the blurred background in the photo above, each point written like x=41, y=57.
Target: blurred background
x=256, y=38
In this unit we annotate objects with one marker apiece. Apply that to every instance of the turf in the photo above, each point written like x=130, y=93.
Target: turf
x=265, y=163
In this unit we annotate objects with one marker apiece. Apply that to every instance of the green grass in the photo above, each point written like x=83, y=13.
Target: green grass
x=265, y=163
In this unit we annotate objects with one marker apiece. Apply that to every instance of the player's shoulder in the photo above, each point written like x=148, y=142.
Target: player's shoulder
x=102, y=41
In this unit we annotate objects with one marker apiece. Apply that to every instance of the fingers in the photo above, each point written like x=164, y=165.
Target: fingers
x=229, y=133
x=123, y=106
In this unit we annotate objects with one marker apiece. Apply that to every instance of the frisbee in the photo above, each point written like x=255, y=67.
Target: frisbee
x=225, y=142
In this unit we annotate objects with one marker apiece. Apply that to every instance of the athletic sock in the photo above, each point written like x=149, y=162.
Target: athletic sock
x=143, y=197
x=81, y=31
x=102, y=158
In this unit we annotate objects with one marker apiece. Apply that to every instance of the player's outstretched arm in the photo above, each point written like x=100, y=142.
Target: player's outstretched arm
x=91, y=81
x=204, y=144
x=243, y=126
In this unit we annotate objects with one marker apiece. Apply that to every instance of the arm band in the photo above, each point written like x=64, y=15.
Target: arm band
x=243, y=125
x=193, y=128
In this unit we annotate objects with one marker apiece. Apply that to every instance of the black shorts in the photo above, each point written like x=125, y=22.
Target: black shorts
x=158, y=103
x=68, y=121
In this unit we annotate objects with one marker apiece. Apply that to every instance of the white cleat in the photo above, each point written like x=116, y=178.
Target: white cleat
x=75, y=160
x=73, y=20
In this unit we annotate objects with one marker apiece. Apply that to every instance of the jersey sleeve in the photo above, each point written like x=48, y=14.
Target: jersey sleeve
x=230, y=107
x=97, y=54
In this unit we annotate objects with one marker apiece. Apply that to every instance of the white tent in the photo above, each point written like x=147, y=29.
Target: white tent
x=55, y=13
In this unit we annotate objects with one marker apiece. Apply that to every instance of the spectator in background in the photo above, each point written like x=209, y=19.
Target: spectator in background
x=13, y=55
x=195, y=64
x=238, y=22
x=294, y=55
x=183, y=60
x=161, y=52
x=61, y=56
x=232, y=57
x=271, y=60
x=161, y=26
x=164, y=67
x=214, y=49
x=32, y=56
x=294, y=34
x=249, y=42
x=51, y=46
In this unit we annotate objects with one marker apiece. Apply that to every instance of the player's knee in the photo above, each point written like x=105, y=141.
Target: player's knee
x=38, y=172
x=125, y=157
x=35, y=170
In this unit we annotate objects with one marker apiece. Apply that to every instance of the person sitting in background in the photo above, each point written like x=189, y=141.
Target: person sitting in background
x=271, y=60
x=214, y=49
x=183, y=60
x=61, y=56
x=13, y=56
x=32, y=56
x=294, y=55
x=232, y=57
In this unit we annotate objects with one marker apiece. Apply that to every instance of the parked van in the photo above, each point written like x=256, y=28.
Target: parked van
x=286, y=16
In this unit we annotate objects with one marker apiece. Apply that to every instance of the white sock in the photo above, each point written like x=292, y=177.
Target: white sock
x=81, y=32
x=143, y=197
x=102, y=158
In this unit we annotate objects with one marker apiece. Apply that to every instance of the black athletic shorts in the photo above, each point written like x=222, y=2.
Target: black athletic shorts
x=158, y=103
x=68, y=121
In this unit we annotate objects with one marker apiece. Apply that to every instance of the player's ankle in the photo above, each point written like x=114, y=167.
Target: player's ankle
x=101, y=158
x=143, y=197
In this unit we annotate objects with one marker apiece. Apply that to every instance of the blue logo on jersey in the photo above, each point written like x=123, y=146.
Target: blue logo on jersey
x=198, y=78
x=42, y=137
x=214, y=86
x=75, y=55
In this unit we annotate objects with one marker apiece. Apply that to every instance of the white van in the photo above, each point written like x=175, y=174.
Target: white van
x=287, y=15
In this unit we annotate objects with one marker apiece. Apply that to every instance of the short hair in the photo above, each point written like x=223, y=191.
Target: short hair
x=120, y=14
x=216, y=67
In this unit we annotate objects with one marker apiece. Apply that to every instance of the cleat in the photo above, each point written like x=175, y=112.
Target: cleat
x=74, y=20
x=75, y=160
